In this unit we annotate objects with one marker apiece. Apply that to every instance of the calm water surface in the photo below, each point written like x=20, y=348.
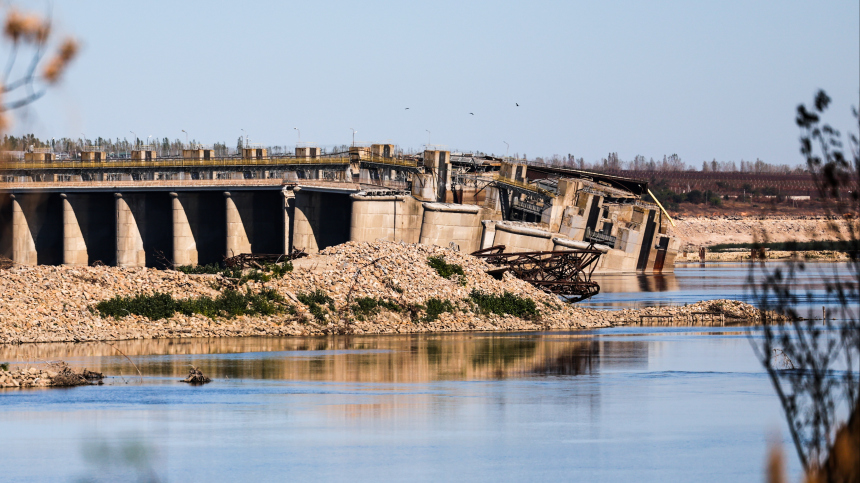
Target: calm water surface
x=691, y=283
x=670, y=404
x=643, y=403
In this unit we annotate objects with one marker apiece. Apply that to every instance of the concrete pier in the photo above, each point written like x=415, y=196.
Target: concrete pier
x=74, y=245
x=237, y=237
x=444, y=223
x=387, y=217
x=129, y=240
x=184, y=244
x=6, y=225
x=289, y=209
x=23, y=243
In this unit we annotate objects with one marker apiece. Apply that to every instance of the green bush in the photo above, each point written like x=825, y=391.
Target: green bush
x=268, y=271
x=368, y=307
x=316, y=301
x=265, y=302
x=212, y=268
x=153, y=306
x=507, y=303
x=256, y=276
x=229, y=303
x=4, y=366
x=280, y=269
x=365, y=307
x=447, y=270
x=205, y=306
x=434, y=307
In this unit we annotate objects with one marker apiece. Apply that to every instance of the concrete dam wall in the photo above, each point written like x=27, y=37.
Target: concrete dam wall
x=139, y=228
x=158, y=228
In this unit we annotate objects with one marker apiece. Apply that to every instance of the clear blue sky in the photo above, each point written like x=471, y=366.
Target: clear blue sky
x=701, y=79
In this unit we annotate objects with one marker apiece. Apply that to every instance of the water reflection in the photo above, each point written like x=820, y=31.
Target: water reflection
x=690, y=284
x=657, y=403
x=388, y=359
x=636, y=282
x=573, y=361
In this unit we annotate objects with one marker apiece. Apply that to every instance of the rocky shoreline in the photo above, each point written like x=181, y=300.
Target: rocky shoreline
x=57, y=304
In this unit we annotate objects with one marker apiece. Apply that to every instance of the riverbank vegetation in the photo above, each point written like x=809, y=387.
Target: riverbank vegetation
x=230, y=303
x=450, y=271
x=790, y=246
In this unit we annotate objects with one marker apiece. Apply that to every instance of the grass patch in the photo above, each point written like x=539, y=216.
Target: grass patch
x=316, y=302
x=507, y=303
x=211, y=268
x=435, y=307
x=447, y=270
x=269, y=271
x=365, y=307
x=229, y=303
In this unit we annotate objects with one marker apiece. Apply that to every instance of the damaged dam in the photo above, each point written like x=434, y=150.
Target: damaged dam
x=199, y=209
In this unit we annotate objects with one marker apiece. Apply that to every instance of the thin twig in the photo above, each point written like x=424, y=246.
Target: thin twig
x=127, y=358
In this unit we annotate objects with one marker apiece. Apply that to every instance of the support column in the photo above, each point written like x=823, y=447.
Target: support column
x=129, y=242
x=184, y=245
x=74, y=245
x=23, y=244
x=289, y=210
x=305, y=218
x=237, y=237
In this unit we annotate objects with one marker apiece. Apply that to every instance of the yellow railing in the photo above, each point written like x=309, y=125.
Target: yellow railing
x=375, y=158
x=169, y=163
x=9, y=165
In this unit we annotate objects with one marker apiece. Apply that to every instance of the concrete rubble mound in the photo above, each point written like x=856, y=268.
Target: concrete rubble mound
x=56, y=303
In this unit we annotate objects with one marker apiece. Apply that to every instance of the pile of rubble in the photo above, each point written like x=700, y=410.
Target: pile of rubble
x=399, y=273
x=54, y=304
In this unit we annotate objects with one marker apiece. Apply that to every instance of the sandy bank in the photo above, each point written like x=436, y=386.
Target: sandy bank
x=713, y=230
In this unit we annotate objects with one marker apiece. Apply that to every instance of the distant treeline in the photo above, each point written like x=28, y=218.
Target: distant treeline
x=612, y=162
x=164, y=146
x=791, y=246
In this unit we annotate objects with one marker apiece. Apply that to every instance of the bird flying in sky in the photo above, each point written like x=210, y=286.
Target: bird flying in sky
x=472, y=113
x=517, y=103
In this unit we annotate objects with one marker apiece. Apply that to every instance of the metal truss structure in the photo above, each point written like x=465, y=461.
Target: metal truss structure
x=566, y=273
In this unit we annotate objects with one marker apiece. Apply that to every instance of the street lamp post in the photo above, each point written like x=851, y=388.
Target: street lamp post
x=133, y=141
x=428, y=138
x=507, y=148
x=245, y=136
x=353, y=137
x=186, y=138
x=300, y=133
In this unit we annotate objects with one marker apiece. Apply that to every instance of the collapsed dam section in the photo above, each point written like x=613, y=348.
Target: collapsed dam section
x=199, y=209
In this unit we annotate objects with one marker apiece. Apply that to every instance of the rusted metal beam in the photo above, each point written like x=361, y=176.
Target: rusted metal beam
x=562, y=272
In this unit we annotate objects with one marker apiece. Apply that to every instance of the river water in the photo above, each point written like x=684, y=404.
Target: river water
x=633, y=403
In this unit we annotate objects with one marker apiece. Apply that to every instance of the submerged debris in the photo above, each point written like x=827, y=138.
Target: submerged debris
x=66, y=376
x=57, y=374
x=196, y=376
